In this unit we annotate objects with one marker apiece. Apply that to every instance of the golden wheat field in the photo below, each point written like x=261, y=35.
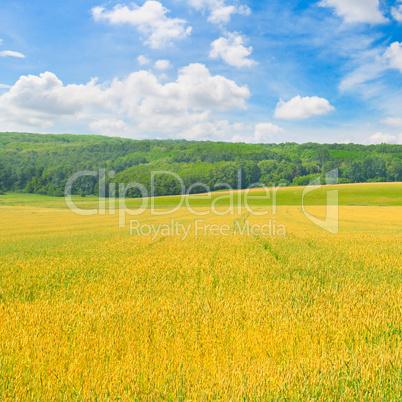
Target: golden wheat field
x=90, y=312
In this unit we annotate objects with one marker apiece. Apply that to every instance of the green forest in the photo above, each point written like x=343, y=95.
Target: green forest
x=42, y=164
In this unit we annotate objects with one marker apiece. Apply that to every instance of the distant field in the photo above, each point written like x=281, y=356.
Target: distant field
x=90, y=311
x=389, y=194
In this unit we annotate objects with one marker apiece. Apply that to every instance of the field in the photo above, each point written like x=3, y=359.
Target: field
x=90, y=311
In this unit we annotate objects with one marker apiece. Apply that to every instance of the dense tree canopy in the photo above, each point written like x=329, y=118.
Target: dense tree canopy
x=42, y=164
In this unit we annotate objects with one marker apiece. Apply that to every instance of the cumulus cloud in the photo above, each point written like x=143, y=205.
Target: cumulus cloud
x=207, y=130
x=300, y=108
x=10, y=53
x=264, y=132
x=150, y=20
x=143, y=60
x=394, y=55
x=140, y=99
x=380, y=138
x=46, y=94
x=393, y=121
x=232, y=50
x=108, y=126
x=397, y=12
x=162, y=64
x=355, y=11
x=219, y=11
x=205, y=91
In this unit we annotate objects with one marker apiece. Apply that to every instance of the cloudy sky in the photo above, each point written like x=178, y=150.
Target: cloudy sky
x=231, y=70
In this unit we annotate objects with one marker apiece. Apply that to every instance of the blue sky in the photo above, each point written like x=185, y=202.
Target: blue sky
x=272, y=71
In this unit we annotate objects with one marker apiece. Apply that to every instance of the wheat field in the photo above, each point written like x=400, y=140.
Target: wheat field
x=90, y=312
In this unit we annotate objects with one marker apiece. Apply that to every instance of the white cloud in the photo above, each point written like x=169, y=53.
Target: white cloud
x=393, y=121
x=150, y=20
x=162, y=64
x=380, y=138
x=352, y=11
x=10, y=53
x=4, y=86
x=369, y=70
x=219, y=130
x=302, y=108
x=264, y=132
x=143, y=60
x=204, y=91
x=223, y=14
x=108, y=126
x=394, y=55
x=219, y=11
x=206, y=130
x=239, y=126
x=372, y=64
x=397, y=12
x=232, y=51
x=239, y=138
x=258, y=133
x=47, y=94
x=140, y=100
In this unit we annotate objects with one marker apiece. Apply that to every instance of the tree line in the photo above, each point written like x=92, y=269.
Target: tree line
x=42, y=164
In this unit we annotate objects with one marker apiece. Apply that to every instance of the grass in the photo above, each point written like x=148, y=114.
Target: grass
x=89, y=312
x=380, y=194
